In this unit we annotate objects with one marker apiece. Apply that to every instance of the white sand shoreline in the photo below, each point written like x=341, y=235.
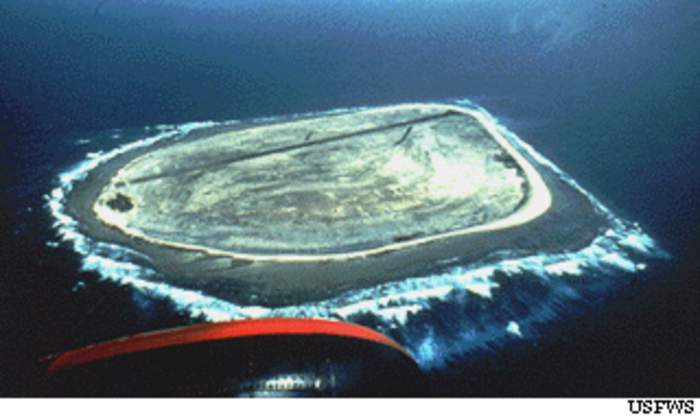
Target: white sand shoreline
x=538, y=202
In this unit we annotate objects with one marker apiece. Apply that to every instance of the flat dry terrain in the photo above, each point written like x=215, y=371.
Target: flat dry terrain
x=332, y=187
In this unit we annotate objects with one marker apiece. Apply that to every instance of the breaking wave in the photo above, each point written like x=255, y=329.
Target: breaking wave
x=437, y=317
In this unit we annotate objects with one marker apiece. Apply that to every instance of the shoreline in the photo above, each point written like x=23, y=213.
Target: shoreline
x=538, y=202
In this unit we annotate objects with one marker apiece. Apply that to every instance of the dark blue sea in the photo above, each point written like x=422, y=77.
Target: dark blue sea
x=607, y=90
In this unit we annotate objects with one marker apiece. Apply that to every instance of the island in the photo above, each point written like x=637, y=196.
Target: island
x=308, y=208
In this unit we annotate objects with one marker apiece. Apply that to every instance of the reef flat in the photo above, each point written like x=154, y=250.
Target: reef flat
x=307, y=209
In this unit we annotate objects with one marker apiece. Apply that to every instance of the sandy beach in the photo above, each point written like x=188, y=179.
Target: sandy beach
x=537, y=202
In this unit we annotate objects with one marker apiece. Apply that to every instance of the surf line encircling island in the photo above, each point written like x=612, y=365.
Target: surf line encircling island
x=395, y=305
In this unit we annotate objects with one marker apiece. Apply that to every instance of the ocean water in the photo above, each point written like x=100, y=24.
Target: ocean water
x=606, y=92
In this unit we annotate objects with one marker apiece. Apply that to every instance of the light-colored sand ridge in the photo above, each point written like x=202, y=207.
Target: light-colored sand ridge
x=424, y=172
